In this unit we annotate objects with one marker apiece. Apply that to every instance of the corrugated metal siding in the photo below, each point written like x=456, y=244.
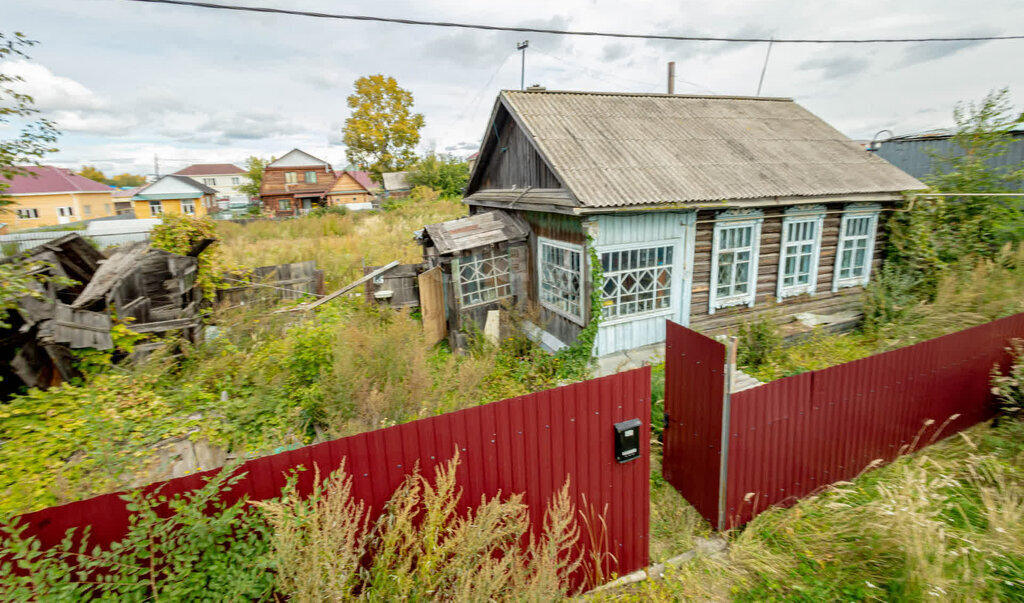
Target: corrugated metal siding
x=914, y=156
x=530, y=444
x=614, y=150
x=694, y=384
x=795, y=435
x=643, y=230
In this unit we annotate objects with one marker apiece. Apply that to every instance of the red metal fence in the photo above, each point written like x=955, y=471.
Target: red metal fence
x=529, y=444
x=790, y=437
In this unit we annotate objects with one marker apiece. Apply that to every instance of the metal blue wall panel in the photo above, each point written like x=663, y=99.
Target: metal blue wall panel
x=914, y=156
x=618, y=231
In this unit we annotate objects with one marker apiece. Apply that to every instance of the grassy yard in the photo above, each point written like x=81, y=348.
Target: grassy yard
x=341, y=244
x=946, y=523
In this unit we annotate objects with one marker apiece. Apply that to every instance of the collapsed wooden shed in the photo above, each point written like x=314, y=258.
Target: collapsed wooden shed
x=152, y=290
x=478, y=263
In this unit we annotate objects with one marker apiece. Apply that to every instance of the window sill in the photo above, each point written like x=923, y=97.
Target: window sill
x=788, y=293
x=858, y=282
x=729, y=302
x=574, y=319
x=639, y=316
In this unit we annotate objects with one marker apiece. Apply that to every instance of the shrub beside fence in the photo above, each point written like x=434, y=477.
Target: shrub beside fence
x=791, y=437
x=530, y=444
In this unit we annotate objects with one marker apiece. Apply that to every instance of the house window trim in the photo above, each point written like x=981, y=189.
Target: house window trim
x=574, y=247
x=159, y=204
x=291, y=177
x=309, y=177
x=852, y=211
x=816, y=214
x=735, y=219
x=70, y=213
x=31, y=213
x=457, y=272
x=189, y=202
x=674, y=244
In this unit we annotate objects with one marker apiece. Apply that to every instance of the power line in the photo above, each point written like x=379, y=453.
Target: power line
x=566, y=32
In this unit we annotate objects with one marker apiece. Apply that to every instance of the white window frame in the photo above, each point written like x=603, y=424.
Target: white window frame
x=27, y=213
x=852, y=212
x=670, y=244
x=309, y=177
x=581, y=296
x=159, y=207
x=815, y=215
x=235, y=181
x=752, y=219
x=487, y=294
x=210, y=181
x=188, y=203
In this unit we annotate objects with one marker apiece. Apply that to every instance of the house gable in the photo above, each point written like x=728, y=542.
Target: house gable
x=347, y=184
x=509, y=159
x=297, y=158
x=170, y=187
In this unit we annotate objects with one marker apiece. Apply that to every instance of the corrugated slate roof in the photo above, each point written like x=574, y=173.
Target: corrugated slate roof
x=206, y=169
x=615, y=150
x=50, y=179
x=395, y=181
x=485, y=228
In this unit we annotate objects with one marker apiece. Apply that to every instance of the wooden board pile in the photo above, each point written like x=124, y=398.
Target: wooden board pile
x=152, y=290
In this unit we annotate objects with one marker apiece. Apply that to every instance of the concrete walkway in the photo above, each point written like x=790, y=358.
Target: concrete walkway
x=654, y=354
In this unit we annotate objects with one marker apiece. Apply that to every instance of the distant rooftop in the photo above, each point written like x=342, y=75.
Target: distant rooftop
x=208, y=169
x=50, y=179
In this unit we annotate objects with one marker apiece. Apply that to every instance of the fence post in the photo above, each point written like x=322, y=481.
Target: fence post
x=723, y=470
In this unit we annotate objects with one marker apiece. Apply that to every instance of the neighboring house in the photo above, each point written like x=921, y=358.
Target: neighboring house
x=707, y=211
x=396, y=184
x=915, y=153
x=471, y=160
x=123, y=199
x=173, y=194
x=225, y=178
x=353, y=190
x=51, y=195
x=296, y=183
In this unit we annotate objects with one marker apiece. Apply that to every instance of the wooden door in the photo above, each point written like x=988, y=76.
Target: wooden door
x=431, y=282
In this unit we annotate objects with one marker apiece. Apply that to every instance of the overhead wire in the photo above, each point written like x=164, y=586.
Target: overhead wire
x=568, y=32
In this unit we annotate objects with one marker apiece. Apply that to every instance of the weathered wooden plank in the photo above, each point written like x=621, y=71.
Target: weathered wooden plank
x=431, y=284
x=341, y=291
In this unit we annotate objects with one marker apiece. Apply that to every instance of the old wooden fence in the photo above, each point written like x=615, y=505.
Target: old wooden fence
x=530, y=444
x=788, y=438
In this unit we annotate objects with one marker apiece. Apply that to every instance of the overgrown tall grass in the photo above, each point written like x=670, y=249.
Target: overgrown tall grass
x=944, y=524
x=340, y=244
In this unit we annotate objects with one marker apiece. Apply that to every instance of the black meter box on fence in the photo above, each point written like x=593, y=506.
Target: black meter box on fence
x=627, y=440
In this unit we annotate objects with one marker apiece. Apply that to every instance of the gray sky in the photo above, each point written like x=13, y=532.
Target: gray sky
x=126, y=80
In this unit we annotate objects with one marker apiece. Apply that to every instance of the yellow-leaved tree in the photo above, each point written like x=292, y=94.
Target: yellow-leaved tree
x=382, y=132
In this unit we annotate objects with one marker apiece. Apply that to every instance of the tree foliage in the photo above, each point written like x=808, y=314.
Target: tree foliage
x=127, y=180
x=254, y=167
x=382, y=132
x=939, y=231
x=94, y=174
x=33, y=138
x=178, y=234
x=444, y=173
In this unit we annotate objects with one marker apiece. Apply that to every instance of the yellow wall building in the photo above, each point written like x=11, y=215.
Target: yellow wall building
x=48, y=196
x=174, y=195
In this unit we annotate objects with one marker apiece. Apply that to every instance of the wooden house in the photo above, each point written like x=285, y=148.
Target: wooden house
x=173, y=194
x=295, y=184
x=352, y=190
x=705, y=210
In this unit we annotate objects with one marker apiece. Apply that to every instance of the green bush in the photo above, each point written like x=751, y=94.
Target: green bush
x=758, y=340
x=1009, y=389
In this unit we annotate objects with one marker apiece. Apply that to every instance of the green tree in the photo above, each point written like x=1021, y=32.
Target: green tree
x=254, y=167
x=382, y=132
x=36, y=137
x=93, y=173
x=127, y=180
x=443, y=173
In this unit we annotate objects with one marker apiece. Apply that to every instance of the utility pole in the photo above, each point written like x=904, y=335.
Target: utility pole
x=764, y=68
x=671, y=77
x=522, y=73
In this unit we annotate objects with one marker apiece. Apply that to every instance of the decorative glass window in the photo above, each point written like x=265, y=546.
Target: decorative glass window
x=284, y=204
x=156, y=207
x=636, y=281
x=188, y=206
x=27, y=214
x=856, y=246
x=290, y=178
x=735, y=245
x=483, y=277
x=799, y=250
x=560, y=266
x=310, y=177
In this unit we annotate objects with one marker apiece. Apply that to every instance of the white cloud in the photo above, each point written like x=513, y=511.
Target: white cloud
x=50, y=91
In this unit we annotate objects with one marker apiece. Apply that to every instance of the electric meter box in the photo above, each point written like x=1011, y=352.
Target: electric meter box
x=627, y=440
